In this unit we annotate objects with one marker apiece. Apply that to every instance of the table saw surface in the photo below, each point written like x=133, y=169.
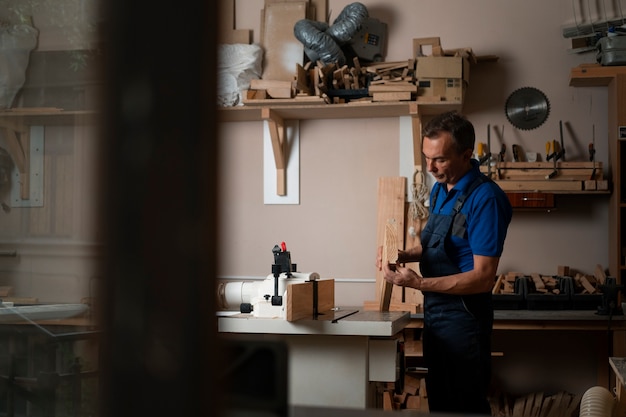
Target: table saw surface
x=347, y=321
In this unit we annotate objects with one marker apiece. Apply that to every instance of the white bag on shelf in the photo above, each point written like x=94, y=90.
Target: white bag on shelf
x=237, y=65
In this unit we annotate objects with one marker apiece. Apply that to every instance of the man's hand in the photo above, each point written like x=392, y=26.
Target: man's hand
x=379, y=258
x=402, y=276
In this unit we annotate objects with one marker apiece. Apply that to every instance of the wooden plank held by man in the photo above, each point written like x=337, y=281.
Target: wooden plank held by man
x=390, y=256
x=391, y=199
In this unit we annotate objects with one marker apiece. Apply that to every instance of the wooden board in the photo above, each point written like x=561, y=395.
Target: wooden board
x=297, y=101
x=282, y=51
x=227, y=33
x=300, y=299
x=393, y=87
x=391, y=198
x=392, y=96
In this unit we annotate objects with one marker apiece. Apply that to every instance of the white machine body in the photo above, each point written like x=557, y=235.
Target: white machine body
x=259, y=293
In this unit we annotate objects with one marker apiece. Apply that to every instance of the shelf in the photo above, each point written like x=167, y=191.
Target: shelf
x=47, y=117
x=276, y=114
x=335, y=111
x=594, y=75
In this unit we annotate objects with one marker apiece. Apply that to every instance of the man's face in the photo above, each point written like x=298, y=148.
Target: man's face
x=443, y=161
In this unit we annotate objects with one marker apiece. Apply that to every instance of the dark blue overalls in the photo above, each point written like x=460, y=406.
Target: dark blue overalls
x=457, y=329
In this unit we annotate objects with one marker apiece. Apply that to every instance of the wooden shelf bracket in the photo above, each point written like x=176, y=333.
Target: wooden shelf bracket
x=18, y=143
x=27, y=154
x=276, y=126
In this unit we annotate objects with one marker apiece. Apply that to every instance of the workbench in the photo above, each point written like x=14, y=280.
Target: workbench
x=547, y=320
x=566, y=349
x=332, y=358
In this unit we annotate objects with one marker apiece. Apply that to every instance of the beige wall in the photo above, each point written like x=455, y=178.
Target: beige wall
x=332, y=230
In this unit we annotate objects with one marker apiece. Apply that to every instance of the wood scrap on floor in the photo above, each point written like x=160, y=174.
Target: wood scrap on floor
x=539, y=404
x=413, y=396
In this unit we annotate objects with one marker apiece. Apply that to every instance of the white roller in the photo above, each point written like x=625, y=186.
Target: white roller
x=238, y=292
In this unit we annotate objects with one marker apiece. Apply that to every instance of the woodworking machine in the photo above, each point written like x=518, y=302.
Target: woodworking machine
x=266, y=298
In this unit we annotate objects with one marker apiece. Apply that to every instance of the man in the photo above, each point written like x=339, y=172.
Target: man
x=460, y=249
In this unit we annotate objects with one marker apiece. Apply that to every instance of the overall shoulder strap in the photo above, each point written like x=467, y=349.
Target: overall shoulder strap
x=461, y=199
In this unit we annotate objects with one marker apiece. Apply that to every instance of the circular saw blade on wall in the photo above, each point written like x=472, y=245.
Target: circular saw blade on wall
x=527, y=108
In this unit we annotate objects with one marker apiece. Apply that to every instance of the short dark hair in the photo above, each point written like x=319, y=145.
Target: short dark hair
x=461, y=129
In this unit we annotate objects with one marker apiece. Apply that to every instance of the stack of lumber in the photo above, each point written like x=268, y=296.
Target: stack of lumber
x=561, y=404
x=392, y=81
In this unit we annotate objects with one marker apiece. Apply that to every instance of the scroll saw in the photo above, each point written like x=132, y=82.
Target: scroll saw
x=269, y=298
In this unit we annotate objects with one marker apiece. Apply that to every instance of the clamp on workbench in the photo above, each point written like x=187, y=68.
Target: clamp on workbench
x=282, y=264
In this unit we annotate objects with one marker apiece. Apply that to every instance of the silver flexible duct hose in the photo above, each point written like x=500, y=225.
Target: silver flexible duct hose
x=348, y=22
x=322, y=42
x=318, y=45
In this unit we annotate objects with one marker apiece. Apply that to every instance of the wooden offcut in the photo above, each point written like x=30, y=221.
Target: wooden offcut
x=282, y=49
x=392, y=96
x=390, y=246
x=300, y=299
x=228, y=34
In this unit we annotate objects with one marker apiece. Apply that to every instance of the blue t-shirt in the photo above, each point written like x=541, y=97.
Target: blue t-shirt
x=488, y=212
